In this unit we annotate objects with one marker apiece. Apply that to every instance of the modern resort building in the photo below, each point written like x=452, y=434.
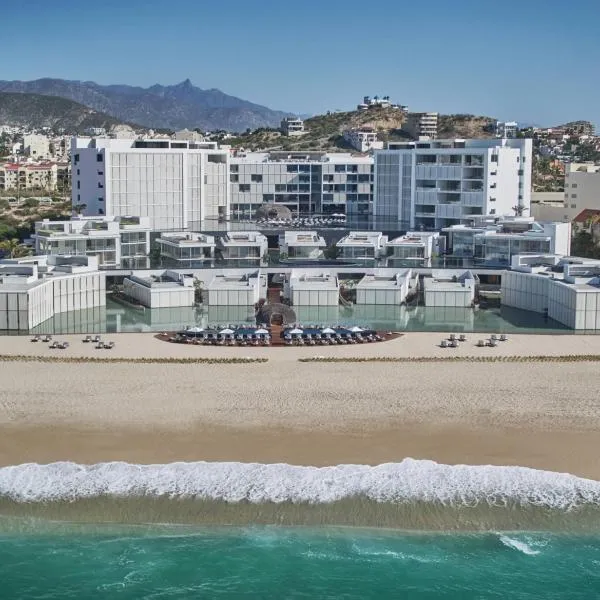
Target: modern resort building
x=381, y=288
x=301, y=245
x=235, y=247
x=362, y=245
x=171, y=289
x=363, y=139
x=422, y=125
x=449, y=288
x=34, y=289
x=437, y=184
x=241, y=289
x=185, y=249
x=177, y=184
x=312, y=288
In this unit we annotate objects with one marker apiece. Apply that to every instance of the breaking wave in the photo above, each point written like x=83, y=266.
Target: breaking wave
x=407, y=481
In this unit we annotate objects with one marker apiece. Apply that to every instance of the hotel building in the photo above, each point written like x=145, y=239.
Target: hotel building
x=437, y=184
x=305, y=182
x=177, y=184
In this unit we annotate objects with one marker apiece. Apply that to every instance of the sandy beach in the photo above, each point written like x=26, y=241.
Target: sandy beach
x=543, y=415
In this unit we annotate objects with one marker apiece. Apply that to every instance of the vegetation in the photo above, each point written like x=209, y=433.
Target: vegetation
x=435, y=359
x=584, y=244
x=547, y=175
x=94, y=359
x=13, y=248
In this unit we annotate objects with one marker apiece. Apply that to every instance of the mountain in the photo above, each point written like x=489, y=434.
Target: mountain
x=170, y=107
x=465, y=127
x=35, y=111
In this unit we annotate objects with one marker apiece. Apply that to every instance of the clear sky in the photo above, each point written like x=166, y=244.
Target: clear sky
x=536, y=61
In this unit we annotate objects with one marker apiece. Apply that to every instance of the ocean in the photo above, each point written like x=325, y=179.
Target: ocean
x=415, y=529
x=273, y=562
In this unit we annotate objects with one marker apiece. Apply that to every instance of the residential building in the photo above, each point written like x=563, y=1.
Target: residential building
x=362, y=245
x=305, y=182
x=36, y=146
x=291, y=126
x=190, y=136
x=312, y=288
x=449, y=288
x=171, y=289
x=377, y=102
x=236, y=289
x=535, y=283
x=114, y=241
x=249, y=247
x=34, y=289
x=42, y=176
x=486, y=242
x=303, y=245
x=183, y=249
x=438, y=183
x=421, y=125
x=380, y=288
x=363, y=139
x=550, y=206
x=176, y=184
x=507, y=129
x=582, y=187
x=95, y=131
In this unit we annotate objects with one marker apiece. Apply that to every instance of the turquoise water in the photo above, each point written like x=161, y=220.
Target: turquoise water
x=279, y=563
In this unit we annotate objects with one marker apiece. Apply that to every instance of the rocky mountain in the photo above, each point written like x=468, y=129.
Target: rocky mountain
x=35, y=111
x=465, y=126
x=169, y=107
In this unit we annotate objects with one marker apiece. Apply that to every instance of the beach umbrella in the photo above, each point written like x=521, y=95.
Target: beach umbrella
x=356, y=329
x=261, y=331
x=296, y=331
x=328, y=330
x=226, y=331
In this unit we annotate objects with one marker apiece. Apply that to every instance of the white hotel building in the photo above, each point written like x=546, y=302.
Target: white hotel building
x=174, y=183
x=437, y=184
x=305, y=182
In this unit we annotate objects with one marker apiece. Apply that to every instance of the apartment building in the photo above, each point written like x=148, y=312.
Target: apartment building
x=582, y=187
x=114, y=241
x=439, y=183
x=363, y=139
x=36, y=146
x=421, y=125
x=42, y=176
x=177, y=184
x=305, y=182
x=291, y=126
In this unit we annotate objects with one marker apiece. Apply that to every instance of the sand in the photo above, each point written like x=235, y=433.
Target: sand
x=544, y=415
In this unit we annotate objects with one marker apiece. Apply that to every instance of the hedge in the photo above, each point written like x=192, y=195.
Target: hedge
x=436, y=359
x=94, y=359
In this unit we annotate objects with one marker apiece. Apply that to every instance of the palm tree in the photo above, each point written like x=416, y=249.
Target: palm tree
x=14, y=248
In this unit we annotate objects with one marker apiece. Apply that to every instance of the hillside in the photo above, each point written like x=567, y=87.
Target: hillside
x=171, y=107
x=465, y=126
x=325, y=131
x=34, y=112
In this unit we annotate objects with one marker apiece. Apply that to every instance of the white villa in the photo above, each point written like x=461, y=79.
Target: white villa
x=250, y=246
x=185, y=249
x=302, y=245
x=362, y=245
x=449, y=288
x=114, y=241
x=312, y=289
x=416, y=248
x=381, y=288
x=169, y=290
x=231, y=289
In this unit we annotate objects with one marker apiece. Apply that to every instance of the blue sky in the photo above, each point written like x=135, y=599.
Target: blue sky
x=531, y=60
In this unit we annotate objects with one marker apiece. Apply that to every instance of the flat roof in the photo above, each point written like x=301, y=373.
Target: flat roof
x=308, y=280
x=234, y=282
x=380, y=281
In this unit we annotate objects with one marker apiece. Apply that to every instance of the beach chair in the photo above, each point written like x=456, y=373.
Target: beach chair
x=480, y=344
x=53, y=345
x=492, y=343
x=452, y=337
x=47, y=338
x=35, y=338
x=453, y=344
x=443, y=344
x=503, y=338
x=462, y=338
x=493, y=337
x=87, y=339
x=63, y=345
x=99, y=346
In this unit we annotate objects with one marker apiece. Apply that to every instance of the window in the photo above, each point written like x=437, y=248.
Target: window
x=574, y=185
x=78, y=184
x=99, y=158
x=76, y=158
x=494, y=158
x=292, y=168
x=256, y=178
x=573, y=205
x=520, y=172
x=244, y=187
x=100, y=199
x=99, y=172
x=100, y=211
x=340, y=168
x=234, y=178
x=78, y=172
x=492, y=211
x=234, y=168
x=78, y=198
x=100, y=185
x=573, y=195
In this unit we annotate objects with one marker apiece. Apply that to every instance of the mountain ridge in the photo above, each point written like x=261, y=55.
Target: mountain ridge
x=159, y=106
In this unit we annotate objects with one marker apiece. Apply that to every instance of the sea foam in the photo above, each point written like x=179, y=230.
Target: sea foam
x=407, y=481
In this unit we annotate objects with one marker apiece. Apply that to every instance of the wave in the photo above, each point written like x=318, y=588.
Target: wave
x=407, y=481
x=518, y=545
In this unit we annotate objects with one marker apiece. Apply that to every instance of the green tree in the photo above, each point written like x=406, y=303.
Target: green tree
x=584, y=245
x=14, y=249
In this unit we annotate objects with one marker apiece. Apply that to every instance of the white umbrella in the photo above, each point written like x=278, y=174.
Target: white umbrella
x=296, y=331
x=195, y=330
x=328, y=330
x=356, y=329
x=262, y=331
x=226, y=331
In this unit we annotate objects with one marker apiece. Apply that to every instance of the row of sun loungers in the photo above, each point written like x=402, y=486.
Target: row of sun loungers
x=331, y=341
x=39, y=338
x=453, y=341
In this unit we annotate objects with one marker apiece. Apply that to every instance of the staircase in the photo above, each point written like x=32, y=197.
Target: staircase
x=274, y=295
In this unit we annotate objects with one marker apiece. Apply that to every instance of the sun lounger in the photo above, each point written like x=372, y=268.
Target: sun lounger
x=35, y=338
x=462, y=338
x=480, y=344
x=53, y=345
x=503, y=338
x=87, y=339
x=47, y=338
x=443, y=344
x=453, y=344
